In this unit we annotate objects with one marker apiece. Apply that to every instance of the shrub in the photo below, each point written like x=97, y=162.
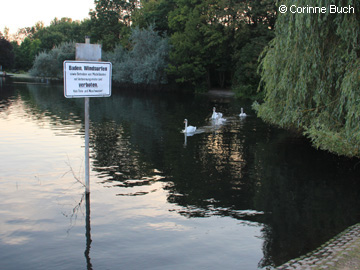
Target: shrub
x=50, y=64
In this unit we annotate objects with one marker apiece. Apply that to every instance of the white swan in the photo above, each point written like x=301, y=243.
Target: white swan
x=188, y=129
x=218, y=121
x=242, y=114
x=216, y=115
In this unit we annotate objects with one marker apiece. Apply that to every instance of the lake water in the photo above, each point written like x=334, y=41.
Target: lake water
x=242, y=195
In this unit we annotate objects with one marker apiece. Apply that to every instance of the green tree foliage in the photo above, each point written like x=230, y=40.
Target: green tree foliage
x=43, y=39
x=49, y=64
x=311, y=76
x=154, y=12
x=6, y=53
x=187, y=57
x=201, y=40
x=60, y=31
x=25, y=53
x=145, y=62
x=251, y=37
x=110, y=21
x=27, y=32
x=215, y=41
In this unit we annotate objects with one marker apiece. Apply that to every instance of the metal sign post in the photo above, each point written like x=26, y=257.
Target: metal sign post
x=87, y=158
x=84, y=78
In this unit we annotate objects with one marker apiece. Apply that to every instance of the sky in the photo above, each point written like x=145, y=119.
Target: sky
x=26, y=13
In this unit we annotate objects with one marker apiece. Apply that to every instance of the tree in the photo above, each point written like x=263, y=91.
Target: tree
x=49, y=64
x=38, y=39
x=154, y=12
x=311, y=76
x=6, y=53
x=208, y=41
x=60, y=31
x=45, y=65
x=29, y=32
x=145, y=63
x=187, y=55
x=110, y=19
x=26, y=52
x=201, y=40
x=251, y=37
x=250, y=41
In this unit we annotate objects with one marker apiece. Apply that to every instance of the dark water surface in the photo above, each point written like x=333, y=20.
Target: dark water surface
x=243, y=195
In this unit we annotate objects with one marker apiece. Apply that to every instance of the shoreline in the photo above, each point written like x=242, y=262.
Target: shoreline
x=221, y=93
x=341, y=252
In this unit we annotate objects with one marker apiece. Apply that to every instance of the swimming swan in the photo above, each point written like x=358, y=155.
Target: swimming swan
x=216, y=115
x=189, y=129
x=242, y=114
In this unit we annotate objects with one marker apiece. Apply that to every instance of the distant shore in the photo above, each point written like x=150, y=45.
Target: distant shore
x=221, y=92
x=20, y=75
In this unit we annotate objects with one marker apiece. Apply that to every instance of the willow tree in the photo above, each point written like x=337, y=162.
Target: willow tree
x=310, y=73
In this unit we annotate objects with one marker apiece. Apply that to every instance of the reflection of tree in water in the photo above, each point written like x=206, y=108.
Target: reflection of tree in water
x=46, y=106
x=245, y=169
x=228, y=152
x=310, y=196
x=117, y=160
x=7, y=95
x=213, y=178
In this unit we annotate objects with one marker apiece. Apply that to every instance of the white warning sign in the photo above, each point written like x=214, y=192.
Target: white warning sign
x=87, y=79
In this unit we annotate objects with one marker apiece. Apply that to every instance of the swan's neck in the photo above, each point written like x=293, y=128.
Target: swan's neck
x=185, y=126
